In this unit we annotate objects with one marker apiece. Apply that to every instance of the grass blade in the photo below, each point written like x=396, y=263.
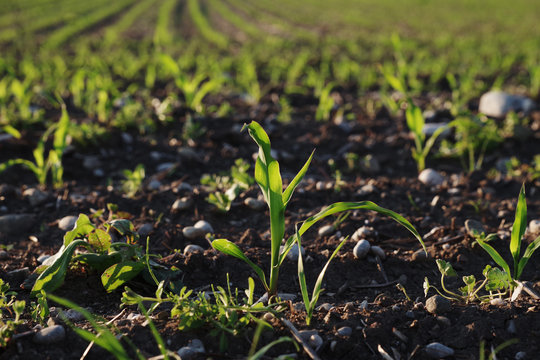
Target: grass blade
x=496, y=257
x=518, y=229
x=526, y=256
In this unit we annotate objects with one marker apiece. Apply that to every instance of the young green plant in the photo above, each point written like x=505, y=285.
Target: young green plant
x=268, y=176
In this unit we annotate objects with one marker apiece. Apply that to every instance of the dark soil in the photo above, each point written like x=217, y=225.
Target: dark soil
x=349, y=285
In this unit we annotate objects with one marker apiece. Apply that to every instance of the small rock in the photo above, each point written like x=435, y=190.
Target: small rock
x=498, y=104
x=520, y=355
x=4, y=255
x=91, y=162
x=181, y=204
x=254, y=204
x=363, y=232
x=192, y=248
x=71, y=315
x=437, y=350
x=327, y=230
x=366, y=190
x=193, y=233
x=145, y=230
x=98, y=172
x=15, y=223
x=474, y=228
x=361, y=249
x=419, y=255
x=188, y=154
x=438, y=305
x=194, y=347
x=364, y=305
x=497, y=302
x=35, y=196
x=154, y=185
x=165, y=166
x=511, y=328
x=67, y=223
x=184, y=187
x=325, y=307
x=127, y=138
x=443, y=320
x=50, y=335
x=320, y=185
x=430, y=177
x=410, y=314
x=534, y=227
x=344, y=331
x=333, y=345
x=293, y=252
x=312, y=338
x=378, y=251
x=205, y=226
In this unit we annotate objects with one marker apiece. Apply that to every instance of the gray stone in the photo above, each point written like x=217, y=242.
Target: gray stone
x=312, y=338
x=50, y=335
x=430, y=177
x=474, y=228
x=363, y=232
x=327, y=230
x=254, y=204
x=325, y=307
x=498, y=104
x=35, y=196
x=438, y=305
x=190, y=351
x=154, y=185
x=191, y=248
x=67, y=223
x=193, y=233
x=534, y=227
x=293, y=252
x=361, y=249
x=511, y=327
x=366, y=190
x=165, y=167
x=344, y=331
x=184, y=187
x=205, y=226
x=378, y=251
x=520, y=355
x=71, y=315
x=145, y=230
x=4, y=255
x=437, y=350
x=181, y=204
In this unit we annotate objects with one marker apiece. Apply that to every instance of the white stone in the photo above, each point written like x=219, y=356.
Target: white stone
x=362, y=233
x=35, y=196
x=437, y=350
x=254, y=204
x=498, y=104
x=67, y=223
x=366, y=190
x=191, y=248
x=16, y=223
x=193, y=233
x=430, y=177
x=361, y=249
x=205, y=226
x=534, y=227
x=181, y=204
x=327, y=230
x=497, y=302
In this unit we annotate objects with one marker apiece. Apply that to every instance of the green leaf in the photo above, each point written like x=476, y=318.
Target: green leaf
x=495, y=256
x=497, y=279
x=445, y=268
x=415, y=120
x=83, y=227
x=53, y=276
x=518, y=229
x=229, y=248
x=527, y=255
x=120, y=273
x=470, y=282
x=287, y=194
x=365, y=205
x=100, y=240
x=123, y=226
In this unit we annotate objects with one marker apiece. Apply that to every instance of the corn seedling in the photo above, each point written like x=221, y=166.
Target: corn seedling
x=493, y=353
x=518, y=230
x=268, y=176
x=326, y=103
x=41, y=167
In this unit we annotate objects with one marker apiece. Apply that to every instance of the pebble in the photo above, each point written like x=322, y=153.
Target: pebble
x=127, y=138
x=184, y=187
x=410, y=314
x=190, y=351
x=35, y=196
x=72, y=315
x=154, y=185
x=145, y=230
x=443, y=320
x=363, y=232
x=520, y=355
x=366, y=190
x=67, y=223
x=438, y=305
x=364, y=305
x=254, y=204
x=205, y=226
x=181, y=204
x=325, y=307
x=437, y=350
x=15, y=223
x=344, y=331
x=165, y=166
x=498, y=104
x=193, y=233
x=191, y=248
x=378, y=251
x=534, y=227
x=361, y=249
x=430, y=177
x=91, y=162
x=419, y=255
x=188, y=154
x=293, y=253
x=511, y=328
x=50, y=335
x=474, y=228
x=312, y=338
x=327, y=230
x=4, y=255
x=497, y=302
